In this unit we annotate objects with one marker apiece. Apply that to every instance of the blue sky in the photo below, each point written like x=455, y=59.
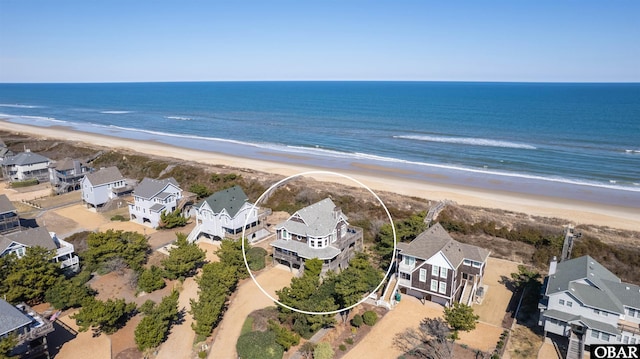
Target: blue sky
x=113, y=41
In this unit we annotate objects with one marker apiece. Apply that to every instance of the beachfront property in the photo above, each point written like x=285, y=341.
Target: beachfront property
x=29, y=327
x=152, y=197
x=437, y=268
x=320, y=231
x=66, y=175
x=102, y=186
x=26, y=166
x=4, y=150
x=17, y=243
x=9, y=220
x=585, y=304
x=224, y=214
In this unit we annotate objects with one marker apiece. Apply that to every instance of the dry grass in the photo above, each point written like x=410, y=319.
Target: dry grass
x=524, y=343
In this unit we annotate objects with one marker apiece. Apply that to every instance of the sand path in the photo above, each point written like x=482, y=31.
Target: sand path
x=84, y=345
x=179, y=344
x=247, y=299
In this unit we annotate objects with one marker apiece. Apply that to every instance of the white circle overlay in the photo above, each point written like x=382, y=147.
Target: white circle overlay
x=277, y=184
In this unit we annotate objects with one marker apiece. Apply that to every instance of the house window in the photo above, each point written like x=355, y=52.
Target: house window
x=434, y=285
x=569, y=303
x=313, y=243
x=443, y=272
x=443, y=287
x=606, y=336
x=595, y=334
x=633, y=341
x=467, y=262
x=285, y=234
x=435, y=270
x=477, y=264
x=409, y=260
x=423, y=275
x=625, y=339
x=561, y=301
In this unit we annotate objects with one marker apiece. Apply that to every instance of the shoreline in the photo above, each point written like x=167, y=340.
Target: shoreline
x=379, y=178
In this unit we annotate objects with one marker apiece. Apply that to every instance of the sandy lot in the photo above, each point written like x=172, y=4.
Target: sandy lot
x=247, y=298
x=180, y=341
x=497, y=297
x=84, y=345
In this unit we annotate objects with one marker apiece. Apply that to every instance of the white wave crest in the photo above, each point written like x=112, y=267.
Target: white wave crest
x=469, y=141
x=17, y=105
x=115, y=112
x=181, y=118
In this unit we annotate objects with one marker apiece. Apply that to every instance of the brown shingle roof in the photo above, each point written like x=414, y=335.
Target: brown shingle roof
x=104, y=176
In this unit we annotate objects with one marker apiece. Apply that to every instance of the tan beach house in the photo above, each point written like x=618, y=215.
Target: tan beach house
x=320, y=231
x=437, y=268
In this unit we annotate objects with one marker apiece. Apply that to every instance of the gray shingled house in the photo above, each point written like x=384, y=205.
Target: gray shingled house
x=17, y=242
x=585, y=304
x=25, y=166
x=65, y=175
x=101, y=186
x=437, y=268
x=151, y=198
x=318, y=231
x=30, y=328
x=224, y=214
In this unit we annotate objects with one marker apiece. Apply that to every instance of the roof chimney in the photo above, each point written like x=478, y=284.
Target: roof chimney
x=553, y=265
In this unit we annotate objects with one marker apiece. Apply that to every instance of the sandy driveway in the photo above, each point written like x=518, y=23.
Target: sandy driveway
x=494, y=305
x=180, y=341
x=247, y=299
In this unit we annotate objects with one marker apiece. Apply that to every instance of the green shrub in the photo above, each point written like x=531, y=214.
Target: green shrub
x=357, y=321
x=172, y=219
x=370, y=318
x=26, y=183
x=119, y=217
x=247, y=326
x=151, y=279
x=259, y=345
x=349, y=341
x=202, y=354
x=256, y=258
x=342, y=347
x=284, y=337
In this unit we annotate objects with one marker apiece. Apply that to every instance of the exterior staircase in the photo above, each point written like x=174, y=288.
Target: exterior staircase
x=194, y=233
x=575, y=348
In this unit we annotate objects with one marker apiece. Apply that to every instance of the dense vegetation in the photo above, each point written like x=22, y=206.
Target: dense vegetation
x=107, y=316
x=108, y=250
x=169, y=220
x=183, y=259
x=158, y=319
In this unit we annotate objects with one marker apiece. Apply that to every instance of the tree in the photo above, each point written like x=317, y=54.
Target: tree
x=406, y=231
x=215, y=284
x=69, y=293
x=151, y=279
x=132, y=247
x=105, y=317
x=307, y=349
x=460, y=317
x=154, y=327
x=432, y=340
x=370, y=318
x=6, y=346
x=256, y=258
x=525, y=277
x=284, y=337
x=183, y=259
x=230, y=254
x=31, y=276
x=323, y=351
x=200, y=190
x=357, y=280
x=172, y=219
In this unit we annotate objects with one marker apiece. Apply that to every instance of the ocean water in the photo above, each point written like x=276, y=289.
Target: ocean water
x=574, y=141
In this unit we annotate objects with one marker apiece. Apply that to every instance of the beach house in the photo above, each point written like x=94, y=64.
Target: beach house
x=585, y=304
x=26, y=166
x=17, y=243
x=66, y=175
x=29, y=327
x=320, y=231
x=437, y=268
x=152, y=197
x=224, y=214
x=9, y=220
x=101, y=186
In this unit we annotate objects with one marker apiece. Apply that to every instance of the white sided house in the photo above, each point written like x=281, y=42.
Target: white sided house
x=224, y=214
x=26, y=166
x=585, y=304
x=101, y=186
x=18, y=242
x=437, y=268
x=152, y=197
x=318, y=231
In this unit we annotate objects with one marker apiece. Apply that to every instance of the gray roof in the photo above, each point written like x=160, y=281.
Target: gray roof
x=66, y=164
x=32, y=237
x=25, y=158
x=104, y=176
x=5, y=204
x=572, y=318
x=157, y=207
x=231, y=199
x=303, y=250
x=436, y=239
x=11, y=318
x=593, y=284
x=320, y=219
x=149, y=187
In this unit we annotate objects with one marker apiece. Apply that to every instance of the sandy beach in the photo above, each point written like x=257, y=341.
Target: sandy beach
x=378, y=179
